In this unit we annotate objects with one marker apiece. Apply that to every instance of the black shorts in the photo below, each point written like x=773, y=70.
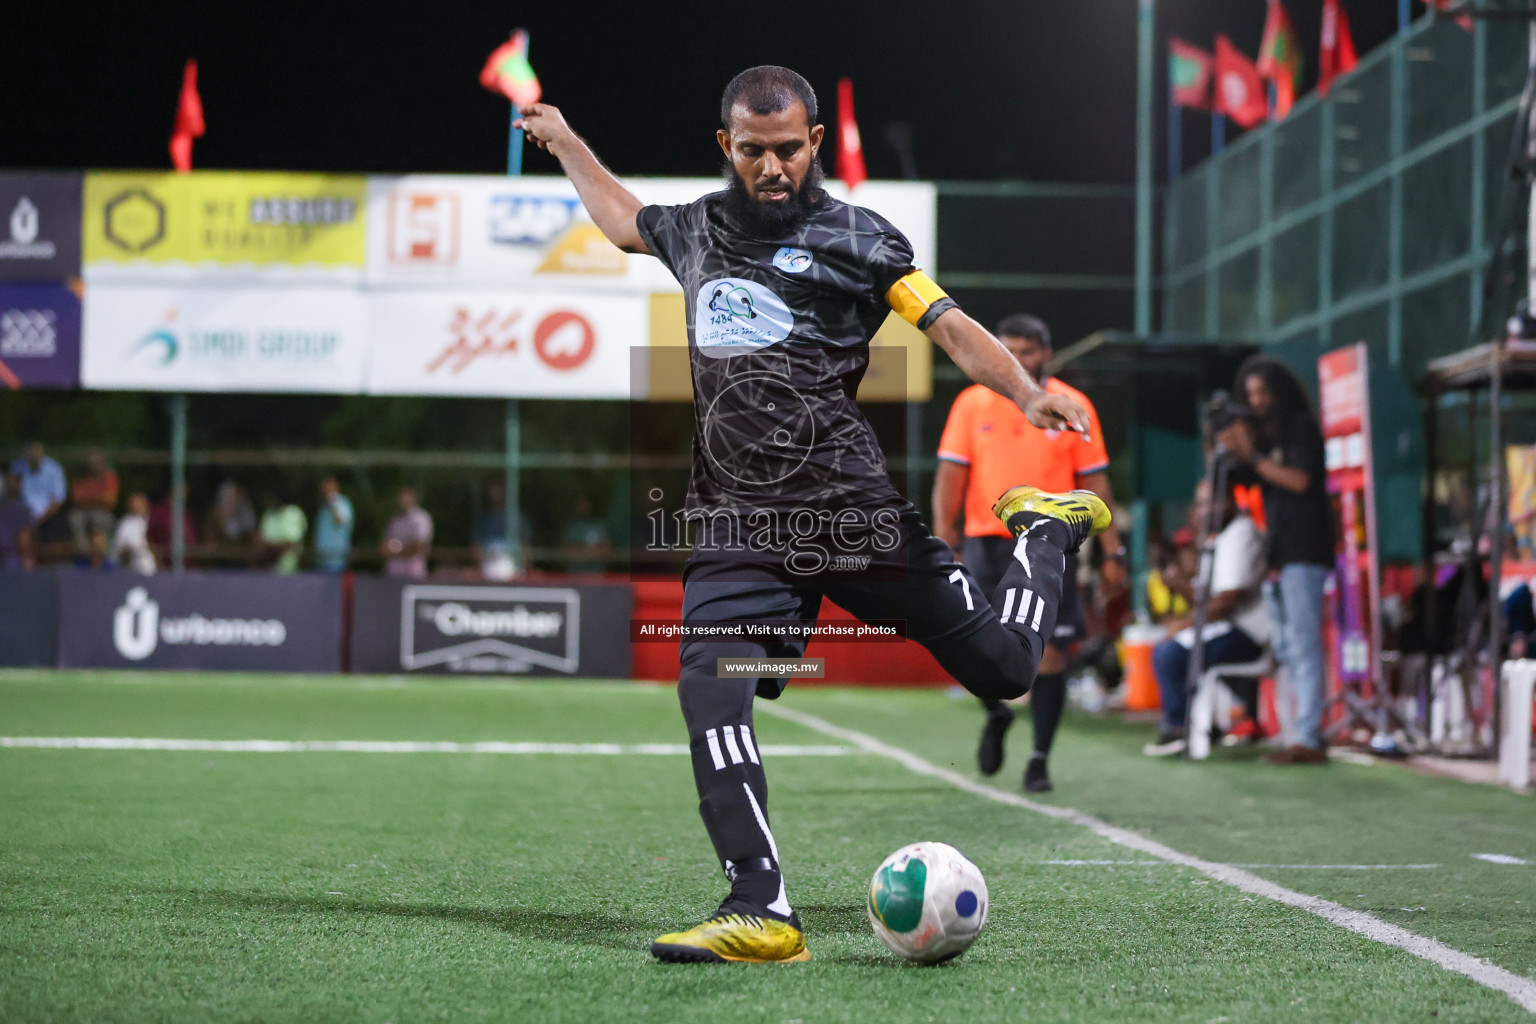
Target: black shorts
x=987, y=557
x=938, y=600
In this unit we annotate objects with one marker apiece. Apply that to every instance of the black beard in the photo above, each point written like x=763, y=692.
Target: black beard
x=774, y=220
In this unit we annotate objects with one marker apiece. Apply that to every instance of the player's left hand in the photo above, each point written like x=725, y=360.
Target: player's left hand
x=1056, y=412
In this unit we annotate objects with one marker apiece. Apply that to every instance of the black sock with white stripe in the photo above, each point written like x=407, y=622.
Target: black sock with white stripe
x=1029, y=594
x=733, y=800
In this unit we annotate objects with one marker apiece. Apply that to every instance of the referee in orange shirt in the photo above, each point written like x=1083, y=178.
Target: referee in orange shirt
x=987, y=447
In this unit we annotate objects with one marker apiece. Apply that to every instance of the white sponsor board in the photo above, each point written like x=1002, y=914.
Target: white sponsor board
x=437, y=230
x=224, y=339
x=505, y=343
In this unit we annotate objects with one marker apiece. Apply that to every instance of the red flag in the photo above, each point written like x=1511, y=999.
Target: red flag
x=1280, y=57
x=1337, y=54
x=508, y=72
x=1189, y=75
x=1464, y=19
x=1239, y=89
x=850, y=149
x=189, y=119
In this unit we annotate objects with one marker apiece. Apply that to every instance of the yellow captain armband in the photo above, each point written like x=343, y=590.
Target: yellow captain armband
x=918, y=300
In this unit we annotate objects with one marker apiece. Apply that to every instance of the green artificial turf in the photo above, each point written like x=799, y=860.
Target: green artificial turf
x=193, y=886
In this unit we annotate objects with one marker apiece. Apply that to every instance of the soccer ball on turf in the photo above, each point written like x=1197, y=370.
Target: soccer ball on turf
x=928, y=902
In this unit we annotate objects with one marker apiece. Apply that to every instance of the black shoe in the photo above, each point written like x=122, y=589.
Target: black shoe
x=1169, y=743
x=989, y=754
x=1036, y=778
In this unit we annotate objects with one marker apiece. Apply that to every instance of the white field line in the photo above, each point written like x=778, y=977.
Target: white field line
x=384, y=746
x=1521, y=989
x=1288, y=867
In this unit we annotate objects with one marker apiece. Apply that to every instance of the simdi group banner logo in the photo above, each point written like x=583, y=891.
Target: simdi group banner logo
x=224, y=225
x=224, y=339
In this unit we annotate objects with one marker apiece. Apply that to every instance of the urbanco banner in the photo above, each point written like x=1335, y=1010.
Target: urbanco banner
x=205, y=621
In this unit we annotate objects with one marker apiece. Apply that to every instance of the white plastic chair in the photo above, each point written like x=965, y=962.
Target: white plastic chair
x=1212, y=703
x=1515, y=736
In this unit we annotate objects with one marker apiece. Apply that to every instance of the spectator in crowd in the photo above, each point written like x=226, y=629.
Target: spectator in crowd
x=408, y=538
x=498, y=558
x=231, y=527
x=93, y=500
x=1170, y=584
x=98, y=551
x=333, y=528
x=586, y=539
x=281, y=533
x=158, y=531
x=1283, y=451
x=42, y=486
x=130, y=545
x=1236, y=624
x=17, y=526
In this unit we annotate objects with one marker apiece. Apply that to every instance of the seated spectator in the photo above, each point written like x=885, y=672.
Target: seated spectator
x=282, y=533
x=1169, y=584
x=97, y=554
x=408, y=538
x=1236, y=623
x=158, y=531
x=17, y=527
x=498, y=558
x=585, y=539
x=333, y=528
x=93, y=499
x=130, y=545
x=42, y=485
x=231, y=527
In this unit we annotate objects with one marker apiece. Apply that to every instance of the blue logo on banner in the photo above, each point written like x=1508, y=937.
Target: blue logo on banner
x=530, y=220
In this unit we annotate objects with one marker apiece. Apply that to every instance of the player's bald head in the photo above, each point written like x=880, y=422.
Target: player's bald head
x=767, y=89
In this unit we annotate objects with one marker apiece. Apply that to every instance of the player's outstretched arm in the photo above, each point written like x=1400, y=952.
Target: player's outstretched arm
x=612, y=206
x=983, y=358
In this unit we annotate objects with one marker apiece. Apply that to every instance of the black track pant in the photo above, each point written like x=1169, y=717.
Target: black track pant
x=991, y=644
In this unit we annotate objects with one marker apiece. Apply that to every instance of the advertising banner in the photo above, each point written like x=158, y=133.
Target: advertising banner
x=533, y=232
x=1344, y=391
x=508, y=343
x=224, y=339
x=400, y=626
x=29, y=611
x=39, y=337
x=204, y=621
x=39, y=227
x=224, y=226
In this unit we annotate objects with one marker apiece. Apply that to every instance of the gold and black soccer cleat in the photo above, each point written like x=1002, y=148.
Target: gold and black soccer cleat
x=1083, y=512
x=734, y=938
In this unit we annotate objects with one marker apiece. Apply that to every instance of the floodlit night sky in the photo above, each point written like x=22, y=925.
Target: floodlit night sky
x=1034, y=89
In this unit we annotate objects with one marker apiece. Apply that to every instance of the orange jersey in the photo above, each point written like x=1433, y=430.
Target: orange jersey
x=990, y=434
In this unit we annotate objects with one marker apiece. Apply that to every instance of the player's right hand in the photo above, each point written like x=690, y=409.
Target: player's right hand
x=544, y=124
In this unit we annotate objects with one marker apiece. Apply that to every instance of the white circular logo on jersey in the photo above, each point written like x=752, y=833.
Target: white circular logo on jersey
x=793, y=261
x=732, y=316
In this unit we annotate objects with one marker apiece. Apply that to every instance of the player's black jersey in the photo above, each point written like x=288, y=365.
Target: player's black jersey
x=778, y=336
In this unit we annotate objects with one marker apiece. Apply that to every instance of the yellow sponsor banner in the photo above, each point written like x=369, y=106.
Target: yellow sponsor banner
x=219, y=220
x=900, y=358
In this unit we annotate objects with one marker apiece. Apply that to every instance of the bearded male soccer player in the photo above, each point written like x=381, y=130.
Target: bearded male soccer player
x=785, y=287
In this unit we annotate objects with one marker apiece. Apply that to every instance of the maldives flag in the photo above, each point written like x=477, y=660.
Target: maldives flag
x=1463, y=19
x=1280, y=58
x=1239, y=89
x=1189, y=75
x=850, y=148
x=508, y=72
x=1337, y=54
x=189, y=120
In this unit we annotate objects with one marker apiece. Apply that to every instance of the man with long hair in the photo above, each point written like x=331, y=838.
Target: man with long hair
x=789, y=491
x=1283, y=450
